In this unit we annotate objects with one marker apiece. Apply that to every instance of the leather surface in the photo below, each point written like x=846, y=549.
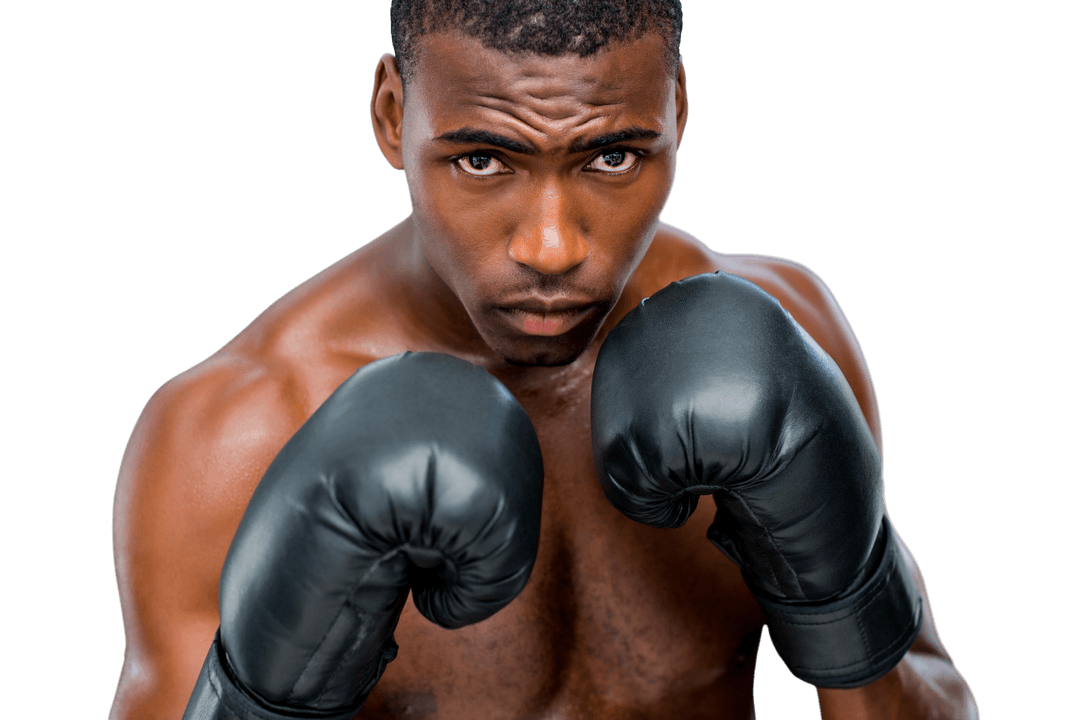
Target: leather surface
x=219, y=696
x=710, y=387
x=853, y=641
x=421, y=470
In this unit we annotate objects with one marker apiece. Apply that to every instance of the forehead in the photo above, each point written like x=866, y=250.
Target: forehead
x=459, y=81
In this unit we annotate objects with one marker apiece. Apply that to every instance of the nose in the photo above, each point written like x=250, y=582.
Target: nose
x=549, y=241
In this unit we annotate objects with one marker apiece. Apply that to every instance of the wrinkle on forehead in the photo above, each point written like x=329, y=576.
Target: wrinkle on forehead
x=558, y=91
x=557, y=108
x=543, y=95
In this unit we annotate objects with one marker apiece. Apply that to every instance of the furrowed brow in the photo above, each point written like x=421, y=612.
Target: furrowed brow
x=474, y=136
x=632, y=133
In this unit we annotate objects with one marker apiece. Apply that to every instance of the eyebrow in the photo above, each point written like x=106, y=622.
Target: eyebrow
x=474, y=136
x=470, y=135
x=631, y=133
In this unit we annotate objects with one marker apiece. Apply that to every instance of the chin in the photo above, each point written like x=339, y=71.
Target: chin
x=542, y=351
x=543, y=359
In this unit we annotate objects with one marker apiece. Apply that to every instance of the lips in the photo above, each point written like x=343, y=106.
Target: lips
x=543, y=324
x=545, y=317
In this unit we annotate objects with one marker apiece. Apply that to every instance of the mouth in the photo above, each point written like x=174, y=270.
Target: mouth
x=543, y=321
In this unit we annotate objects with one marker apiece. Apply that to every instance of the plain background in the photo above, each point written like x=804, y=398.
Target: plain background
x=167, y=170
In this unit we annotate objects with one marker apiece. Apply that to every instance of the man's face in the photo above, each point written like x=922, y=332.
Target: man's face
x=537, y=183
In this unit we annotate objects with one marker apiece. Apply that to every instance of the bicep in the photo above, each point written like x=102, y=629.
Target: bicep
x=928, y=640
x=184, y=483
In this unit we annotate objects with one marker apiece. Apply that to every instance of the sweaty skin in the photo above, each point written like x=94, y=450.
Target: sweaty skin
x=537, y=185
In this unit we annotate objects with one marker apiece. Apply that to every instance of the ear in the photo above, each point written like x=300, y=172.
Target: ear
x=387, y=106
x=680, y=101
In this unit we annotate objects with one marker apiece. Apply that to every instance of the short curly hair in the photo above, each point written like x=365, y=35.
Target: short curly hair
x=544, y=27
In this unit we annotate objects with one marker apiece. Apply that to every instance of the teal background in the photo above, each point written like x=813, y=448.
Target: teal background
x=167, y=170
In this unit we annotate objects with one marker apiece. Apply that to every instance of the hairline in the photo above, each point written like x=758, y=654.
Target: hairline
x=459, y=34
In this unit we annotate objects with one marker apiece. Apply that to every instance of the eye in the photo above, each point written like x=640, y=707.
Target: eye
x=614, y=162
x=480, y=164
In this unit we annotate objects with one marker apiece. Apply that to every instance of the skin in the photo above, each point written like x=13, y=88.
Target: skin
x=524, y=248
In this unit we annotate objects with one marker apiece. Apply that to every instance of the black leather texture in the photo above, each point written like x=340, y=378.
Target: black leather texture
x=421, y=471
x=854, y=640
x=219, y=696
x=710, y=387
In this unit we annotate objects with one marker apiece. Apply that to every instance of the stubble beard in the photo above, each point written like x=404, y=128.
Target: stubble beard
x=558, y=351
x=545, y=352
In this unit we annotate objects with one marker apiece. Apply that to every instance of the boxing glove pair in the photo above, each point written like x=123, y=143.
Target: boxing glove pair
x=423, y=472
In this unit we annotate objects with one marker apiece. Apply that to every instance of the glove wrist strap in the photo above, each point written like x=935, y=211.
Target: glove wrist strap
x=218, y=695
x=857, y=639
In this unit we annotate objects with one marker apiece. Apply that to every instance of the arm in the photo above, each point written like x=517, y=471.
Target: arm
x=387, y=485
x=193, y=460
x=925, y=683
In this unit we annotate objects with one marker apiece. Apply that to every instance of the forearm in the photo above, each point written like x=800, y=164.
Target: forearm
x=923, y=686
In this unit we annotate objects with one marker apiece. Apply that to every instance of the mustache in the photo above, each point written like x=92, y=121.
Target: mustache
x=569, y=284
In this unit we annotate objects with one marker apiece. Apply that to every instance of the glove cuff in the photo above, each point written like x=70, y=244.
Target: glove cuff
x=218, y=695
x=856, y=640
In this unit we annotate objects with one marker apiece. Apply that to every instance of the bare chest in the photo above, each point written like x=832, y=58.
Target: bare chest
x=618, y=620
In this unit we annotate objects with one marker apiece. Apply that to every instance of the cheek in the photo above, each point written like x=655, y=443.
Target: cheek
x=464, y=227
x=459, y=238
x=435, y=209
x=623, y=223
x=655, y=186
x=455, y=241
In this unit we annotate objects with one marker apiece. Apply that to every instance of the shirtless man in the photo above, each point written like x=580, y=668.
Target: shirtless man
x=538, y=166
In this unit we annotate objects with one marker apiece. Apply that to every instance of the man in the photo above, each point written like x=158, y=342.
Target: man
x=539, y=147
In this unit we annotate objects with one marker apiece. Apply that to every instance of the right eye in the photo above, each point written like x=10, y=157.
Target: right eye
x=480, y=164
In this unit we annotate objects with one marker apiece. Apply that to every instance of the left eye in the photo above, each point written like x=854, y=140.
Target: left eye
x=480, y=164
x=613, y=161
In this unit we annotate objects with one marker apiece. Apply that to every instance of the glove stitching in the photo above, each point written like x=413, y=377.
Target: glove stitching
x=872, y=592
x=868, y=652
x=331, y=484
x=352, y=650
x=777, y=466
x=223, y=683
x=879, y=586
x=219, y=691
x=772, y=541
x=891, y=647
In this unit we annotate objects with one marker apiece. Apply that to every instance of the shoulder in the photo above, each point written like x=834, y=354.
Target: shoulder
x=803, y=294
x=676, y=255
x=194, y=458
x=199, y=449
x=233, y=412
x=205, y=436
x=219, y=413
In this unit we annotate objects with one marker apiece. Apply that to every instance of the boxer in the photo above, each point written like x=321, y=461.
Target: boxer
x=539, y=145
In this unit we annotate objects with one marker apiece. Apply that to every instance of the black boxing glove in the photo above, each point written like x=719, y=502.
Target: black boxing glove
x=420, y=471
x=711, y=388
